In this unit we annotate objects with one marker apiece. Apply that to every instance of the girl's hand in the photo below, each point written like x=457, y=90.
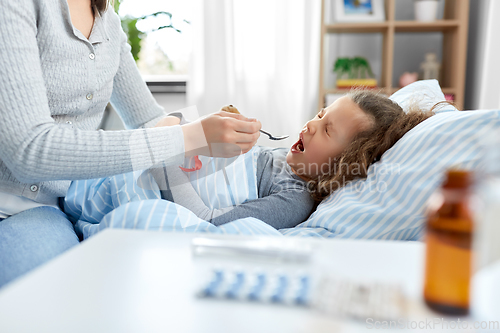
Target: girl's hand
x=168, y=121
x=221, y=134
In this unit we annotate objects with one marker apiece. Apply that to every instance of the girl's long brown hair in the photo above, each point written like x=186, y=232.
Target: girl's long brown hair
x=390, y=124
x=100, y=5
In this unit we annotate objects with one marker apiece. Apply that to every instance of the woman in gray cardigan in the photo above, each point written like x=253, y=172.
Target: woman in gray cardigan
x=62, y=62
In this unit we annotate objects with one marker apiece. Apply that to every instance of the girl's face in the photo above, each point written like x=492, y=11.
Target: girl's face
x=325, y=137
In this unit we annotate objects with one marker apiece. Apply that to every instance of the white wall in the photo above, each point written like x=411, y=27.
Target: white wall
x=171, y=101
x=482, y=90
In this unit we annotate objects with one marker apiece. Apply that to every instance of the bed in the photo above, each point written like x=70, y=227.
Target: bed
x=389, y=204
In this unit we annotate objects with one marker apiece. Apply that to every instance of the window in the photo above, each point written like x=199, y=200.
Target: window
x=164, y=53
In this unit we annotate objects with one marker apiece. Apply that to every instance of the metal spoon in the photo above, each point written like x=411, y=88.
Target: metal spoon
x=272, y=137
x=232, y=109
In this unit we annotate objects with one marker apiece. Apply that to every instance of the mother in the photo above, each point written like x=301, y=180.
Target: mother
x=62, y=62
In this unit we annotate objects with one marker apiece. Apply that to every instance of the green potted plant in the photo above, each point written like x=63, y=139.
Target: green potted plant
x=358, y=73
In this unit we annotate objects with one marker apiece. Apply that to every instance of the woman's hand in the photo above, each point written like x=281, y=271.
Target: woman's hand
x=221, y=134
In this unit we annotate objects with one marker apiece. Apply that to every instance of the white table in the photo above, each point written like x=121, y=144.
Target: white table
x=136, y=281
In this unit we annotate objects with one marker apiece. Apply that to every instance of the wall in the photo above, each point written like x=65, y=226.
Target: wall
x=410, y=48
x=171, y=101
x=483, y=67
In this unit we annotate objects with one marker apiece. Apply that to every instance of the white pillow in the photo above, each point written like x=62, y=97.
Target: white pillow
x=390, y=203
x=424, y=94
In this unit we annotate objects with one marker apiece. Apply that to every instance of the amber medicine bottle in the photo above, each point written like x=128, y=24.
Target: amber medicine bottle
x=448, y=241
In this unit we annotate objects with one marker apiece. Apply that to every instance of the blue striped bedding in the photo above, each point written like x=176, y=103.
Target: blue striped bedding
x=133, y=200
x=388, y=205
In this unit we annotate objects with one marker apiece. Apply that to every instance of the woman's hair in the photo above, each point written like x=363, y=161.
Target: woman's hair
x=390, y=123
x=100, y=5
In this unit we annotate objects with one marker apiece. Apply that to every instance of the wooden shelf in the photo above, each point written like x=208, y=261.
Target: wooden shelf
x=399, y=26
x=385, y=90
x=357, y=27
x=454, y=27
x=414, y=26
x=344, y=91
x=449, y=90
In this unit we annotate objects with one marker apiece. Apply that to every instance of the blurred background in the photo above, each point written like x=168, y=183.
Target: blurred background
x=263, y=56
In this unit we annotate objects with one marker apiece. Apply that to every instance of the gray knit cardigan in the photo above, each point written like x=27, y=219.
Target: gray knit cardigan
x=54, y=87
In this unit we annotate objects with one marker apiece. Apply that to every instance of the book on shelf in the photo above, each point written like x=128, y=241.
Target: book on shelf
x=353, y=83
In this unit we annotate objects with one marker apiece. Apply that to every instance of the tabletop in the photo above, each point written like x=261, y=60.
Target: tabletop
x=139, y=281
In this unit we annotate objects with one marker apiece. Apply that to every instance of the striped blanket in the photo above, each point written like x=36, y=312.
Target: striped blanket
x=390, y=204
x=133, y=200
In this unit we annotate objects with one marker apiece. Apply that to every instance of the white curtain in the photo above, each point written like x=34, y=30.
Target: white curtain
x=262, y=56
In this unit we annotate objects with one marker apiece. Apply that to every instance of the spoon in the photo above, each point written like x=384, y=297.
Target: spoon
x=272, y=137
x=232, y=109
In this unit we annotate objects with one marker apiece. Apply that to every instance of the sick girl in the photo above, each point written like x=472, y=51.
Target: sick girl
x=334, y=148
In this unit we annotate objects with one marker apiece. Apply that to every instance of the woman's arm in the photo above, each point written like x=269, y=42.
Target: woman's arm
x=284, y=209
x=225, y=134
x=37, y=148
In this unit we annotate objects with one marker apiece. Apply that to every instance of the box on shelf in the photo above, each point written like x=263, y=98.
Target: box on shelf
x=352, y=83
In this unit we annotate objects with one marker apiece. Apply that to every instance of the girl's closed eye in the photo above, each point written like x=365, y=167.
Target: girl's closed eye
x=321, y=113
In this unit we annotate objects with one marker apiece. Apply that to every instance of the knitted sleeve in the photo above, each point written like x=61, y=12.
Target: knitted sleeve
x=36, y=148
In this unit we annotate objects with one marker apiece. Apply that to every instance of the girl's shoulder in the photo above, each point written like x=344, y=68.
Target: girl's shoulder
x=270, y=152
x=270, y=158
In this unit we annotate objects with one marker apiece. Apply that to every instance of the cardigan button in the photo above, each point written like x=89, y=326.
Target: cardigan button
x=33, y=188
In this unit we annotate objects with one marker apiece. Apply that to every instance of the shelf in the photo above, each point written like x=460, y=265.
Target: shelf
x=345, y=91
x=453, y=27
x=414, y=26
x=357, y=27
x=399, y=26
x=388, y=91
x=445, y=90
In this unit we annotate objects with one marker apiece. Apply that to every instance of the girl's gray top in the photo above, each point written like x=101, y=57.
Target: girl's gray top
x=54, y=87
x=284, y=200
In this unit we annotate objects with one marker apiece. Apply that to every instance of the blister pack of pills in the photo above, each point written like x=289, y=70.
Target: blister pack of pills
x=278, y=288
x=340, y=298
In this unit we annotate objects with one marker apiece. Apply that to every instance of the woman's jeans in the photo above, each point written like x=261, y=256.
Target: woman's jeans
x=31, y=238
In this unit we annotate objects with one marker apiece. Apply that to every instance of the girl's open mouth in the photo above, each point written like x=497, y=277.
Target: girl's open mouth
x=298, y=147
